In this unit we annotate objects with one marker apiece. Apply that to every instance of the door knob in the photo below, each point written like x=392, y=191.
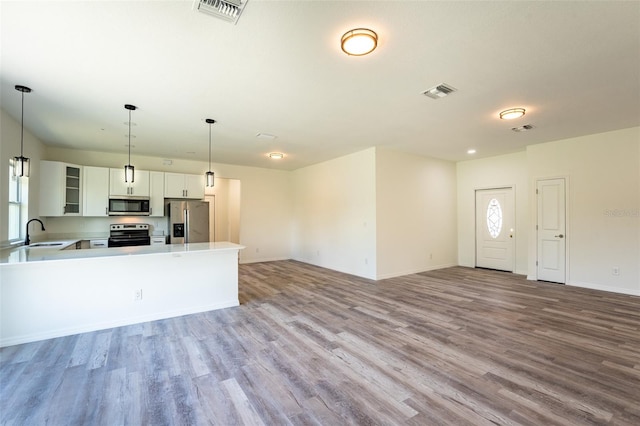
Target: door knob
x=559, y=236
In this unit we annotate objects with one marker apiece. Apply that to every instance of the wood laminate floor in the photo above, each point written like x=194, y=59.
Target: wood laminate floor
x=456, y=346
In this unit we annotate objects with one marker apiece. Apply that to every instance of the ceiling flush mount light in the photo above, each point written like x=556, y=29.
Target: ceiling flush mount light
x=21, y=164
x=209, y=176
x=510, y=114
x=471, y=151
x=276, y=155
x=129, y=169
x=359, y=42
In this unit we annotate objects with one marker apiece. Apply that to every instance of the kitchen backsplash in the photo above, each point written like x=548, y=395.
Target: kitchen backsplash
x=95, y=227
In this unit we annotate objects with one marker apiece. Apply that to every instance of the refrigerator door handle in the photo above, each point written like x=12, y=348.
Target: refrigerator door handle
x=186, y=226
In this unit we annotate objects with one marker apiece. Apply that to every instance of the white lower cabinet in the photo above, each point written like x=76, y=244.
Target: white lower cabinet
x=158, y=240
x=99, y=243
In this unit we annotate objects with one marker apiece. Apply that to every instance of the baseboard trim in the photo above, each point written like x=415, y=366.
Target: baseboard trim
x=88, y=328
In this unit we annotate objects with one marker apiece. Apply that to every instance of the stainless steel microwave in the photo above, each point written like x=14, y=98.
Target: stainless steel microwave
x=129, y=206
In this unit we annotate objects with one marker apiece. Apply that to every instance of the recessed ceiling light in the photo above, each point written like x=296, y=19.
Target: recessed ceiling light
x=276, y=155
x=471, y=151
x=359, y=42
x=510, y=114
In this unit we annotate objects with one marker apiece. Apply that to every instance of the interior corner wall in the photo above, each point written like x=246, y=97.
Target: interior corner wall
x=9, y=148
x=494, y=172
x=335, y=214
x=415, y=213
x=603, y=209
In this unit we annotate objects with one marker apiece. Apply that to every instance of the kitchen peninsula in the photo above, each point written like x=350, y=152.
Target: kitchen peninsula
x=48, y=292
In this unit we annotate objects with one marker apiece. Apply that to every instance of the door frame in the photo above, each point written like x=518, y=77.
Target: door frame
x=475, y=222
x=533, y=267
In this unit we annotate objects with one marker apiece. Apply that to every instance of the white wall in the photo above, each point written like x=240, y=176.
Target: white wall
x=9, y=148
x=335, y=214
x=494, y=172
x=265, y=205
x=603, y=217
x=415, y=212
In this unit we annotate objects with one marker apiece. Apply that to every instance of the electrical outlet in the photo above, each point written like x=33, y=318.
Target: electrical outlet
x=137, y=295
x=615, y=271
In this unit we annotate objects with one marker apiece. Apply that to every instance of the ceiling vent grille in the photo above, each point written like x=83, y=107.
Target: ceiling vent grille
x=524, y=128
x=439, y=91
x=227, y=10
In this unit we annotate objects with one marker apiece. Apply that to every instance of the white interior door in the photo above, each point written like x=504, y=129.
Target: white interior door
x=551, y=227
x=495, y=223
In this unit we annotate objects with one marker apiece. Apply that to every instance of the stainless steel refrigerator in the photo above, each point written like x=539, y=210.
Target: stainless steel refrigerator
x=188, y=221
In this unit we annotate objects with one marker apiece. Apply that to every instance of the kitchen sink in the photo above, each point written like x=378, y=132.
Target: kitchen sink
x=45, y=245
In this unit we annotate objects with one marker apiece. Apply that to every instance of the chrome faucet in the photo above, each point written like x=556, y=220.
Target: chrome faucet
x=27, y=241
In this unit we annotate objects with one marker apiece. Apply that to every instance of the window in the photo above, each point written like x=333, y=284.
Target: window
x=18, y=208
x=494, y=218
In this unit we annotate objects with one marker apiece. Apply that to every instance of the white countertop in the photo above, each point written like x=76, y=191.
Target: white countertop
x=46, y=254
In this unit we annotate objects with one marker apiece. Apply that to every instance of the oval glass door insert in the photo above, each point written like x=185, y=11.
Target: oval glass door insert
x=494, y=218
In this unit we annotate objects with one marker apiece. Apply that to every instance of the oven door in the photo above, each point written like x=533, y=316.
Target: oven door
x=128, y=206
x=129, y=241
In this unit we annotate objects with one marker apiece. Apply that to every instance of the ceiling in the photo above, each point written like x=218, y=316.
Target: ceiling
x=574, y=67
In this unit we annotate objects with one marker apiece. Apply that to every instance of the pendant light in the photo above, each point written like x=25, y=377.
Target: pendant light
x=21, y=164
x=129, y=169
x=209, y=175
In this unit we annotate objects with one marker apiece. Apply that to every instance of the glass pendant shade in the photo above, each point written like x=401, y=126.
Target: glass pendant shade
x=209, y=176
x=21, y=166
x=128, y=173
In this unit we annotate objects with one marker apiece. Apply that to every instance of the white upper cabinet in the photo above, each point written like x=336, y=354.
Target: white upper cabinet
x=156, y=194
x=138, y=188
x=178, y=185
x=60, y=189
x=95, y=191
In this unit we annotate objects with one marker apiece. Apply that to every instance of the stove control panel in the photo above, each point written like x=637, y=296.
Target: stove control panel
x=129, y=226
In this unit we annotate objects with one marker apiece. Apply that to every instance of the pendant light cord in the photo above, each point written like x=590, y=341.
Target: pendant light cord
x=129, y=137
x=22, y=127
x=210, y=146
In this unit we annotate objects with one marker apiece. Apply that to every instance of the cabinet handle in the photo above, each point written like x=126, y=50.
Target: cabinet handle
x=106, y=211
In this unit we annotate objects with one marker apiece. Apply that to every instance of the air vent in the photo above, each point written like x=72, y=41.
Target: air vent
x=439, y=91
x=227, y=10
x=524, y=128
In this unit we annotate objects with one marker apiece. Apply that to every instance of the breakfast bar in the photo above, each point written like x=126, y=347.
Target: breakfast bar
x=48, y=291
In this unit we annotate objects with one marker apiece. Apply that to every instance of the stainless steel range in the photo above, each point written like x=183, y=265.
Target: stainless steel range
x=129, y=234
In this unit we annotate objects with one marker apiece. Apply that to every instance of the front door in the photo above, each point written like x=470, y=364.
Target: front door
x=495, y=225
x=551, y=235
